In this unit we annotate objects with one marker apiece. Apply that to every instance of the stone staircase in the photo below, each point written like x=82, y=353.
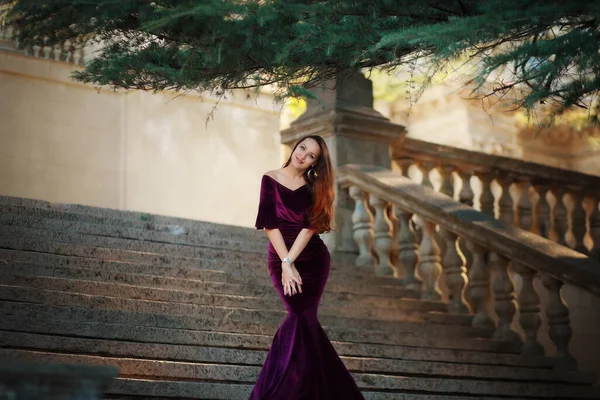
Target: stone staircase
x=185, y=310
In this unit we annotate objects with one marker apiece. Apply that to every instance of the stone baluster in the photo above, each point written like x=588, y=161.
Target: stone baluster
x=505, y=305
x=408, y=251
x=506, y=211
x=405, y=164
x=455, y=272
x=430, y=267
x=529, y=309
x=68, y=49
x=46, y=49
x=425, y=167
x=383, y=236
x=447, y=186
x=478, y=294
x=595, y=228
x=486, y=200
x=559, y=324
x=578, y=221
x=86, y=53
x=77, y=54
x=543, y=219
x=36, y=50
x=57, y=52
x=391, y=213
x=465, y=196
x=559, y=216
x=362, y=221
x=524, y=214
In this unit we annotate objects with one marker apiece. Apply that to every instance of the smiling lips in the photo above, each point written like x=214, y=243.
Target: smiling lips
x=299, y=160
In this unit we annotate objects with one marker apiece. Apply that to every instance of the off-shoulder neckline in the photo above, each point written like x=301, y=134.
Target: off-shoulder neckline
x=285, y=187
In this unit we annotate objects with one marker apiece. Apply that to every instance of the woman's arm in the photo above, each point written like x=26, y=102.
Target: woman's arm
x=276, y=240
x=300, y=243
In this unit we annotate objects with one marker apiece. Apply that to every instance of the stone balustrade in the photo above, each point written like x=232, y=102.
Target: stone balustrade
x=71, y=52
x=495, y=248
x=554, y=203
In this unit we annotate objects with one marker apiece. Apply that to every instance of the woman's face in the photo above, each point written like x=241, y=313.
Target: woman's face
x=306, y=154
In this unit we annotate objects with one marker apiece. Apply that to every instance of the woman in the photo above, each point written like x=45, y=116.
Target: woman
x=296, y=204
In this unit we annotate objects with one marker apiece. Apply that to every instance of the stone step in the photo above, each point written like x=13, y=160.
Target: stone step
x=202, y=272
x=217, y=355
x=234, y=323
x=261, y=287
x=227, y=319
x=219, y=389
x=208, y=258
x=76, y=268
x=350, y=306
x=202, y=238
x=173, y=236
x=474, y=351
x=19, y=215
x=136, y=219
x=230, y=251
x=113, y=217
x=194, y=372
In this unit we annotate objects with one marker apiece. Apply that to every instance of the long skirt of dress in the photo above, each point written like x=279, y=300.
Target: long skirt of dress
x=302, y=364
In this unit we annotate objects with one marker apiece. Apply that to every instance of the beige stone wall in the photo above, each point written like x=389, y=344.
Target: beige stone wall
x=67, y=142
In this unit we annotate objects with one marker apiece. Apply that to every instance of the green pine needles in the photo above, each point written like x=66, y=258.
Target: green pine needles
x=527, y=52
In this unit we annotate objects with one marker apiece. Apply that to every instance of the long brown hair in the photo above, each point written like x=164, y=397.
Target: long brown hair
x=321, y=186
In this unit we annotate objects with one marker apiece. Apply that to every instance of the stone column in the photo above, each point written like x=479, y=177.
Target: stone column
x=355, y=134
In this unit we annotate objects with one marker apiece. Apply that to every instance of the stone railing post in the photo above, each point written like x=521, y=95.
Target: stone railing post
x=559, y=216
x=559, y=324
x=447, y=186
x=425, y=168
x=505, y=305
x=486, y=199
x=383, y=237
x=529, y=309
x=362, y=221
x=430, y=267
x=479, y=292
x=543, y=220
x=524, y=207
x=455, y=272
x=408, y=256
x=578, y=221
x=506, y=209
x=465, y=196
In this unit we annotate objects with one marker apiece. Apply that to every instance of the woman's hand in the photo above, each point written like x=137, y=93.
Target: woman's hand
x=290, y=279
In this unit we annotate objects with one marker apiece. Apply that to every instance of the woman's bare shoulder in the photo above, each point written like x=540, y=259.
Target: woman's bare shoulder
x=274, y=173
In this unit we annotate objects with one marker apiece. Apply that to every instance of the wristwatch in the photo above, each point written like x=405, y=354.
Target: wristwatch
x=287, y=260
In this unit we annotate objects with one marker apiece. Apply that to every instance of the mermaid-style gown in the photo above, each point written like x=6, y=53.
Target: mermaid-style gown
x=301, y=364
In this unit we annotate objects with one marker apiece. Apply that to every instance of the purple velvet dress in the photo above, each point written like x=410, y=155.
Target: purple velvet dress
x=302, y=364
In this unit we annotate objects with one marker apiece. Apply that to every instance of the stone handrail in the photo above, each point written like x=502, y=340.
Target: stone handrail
x=478, y=162
x=571, y=217
x=70, y=52
x=390, y=235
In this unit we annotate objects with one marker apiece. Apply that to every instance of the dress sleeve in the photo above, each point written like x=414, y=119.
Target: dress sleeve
x=267, y=217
